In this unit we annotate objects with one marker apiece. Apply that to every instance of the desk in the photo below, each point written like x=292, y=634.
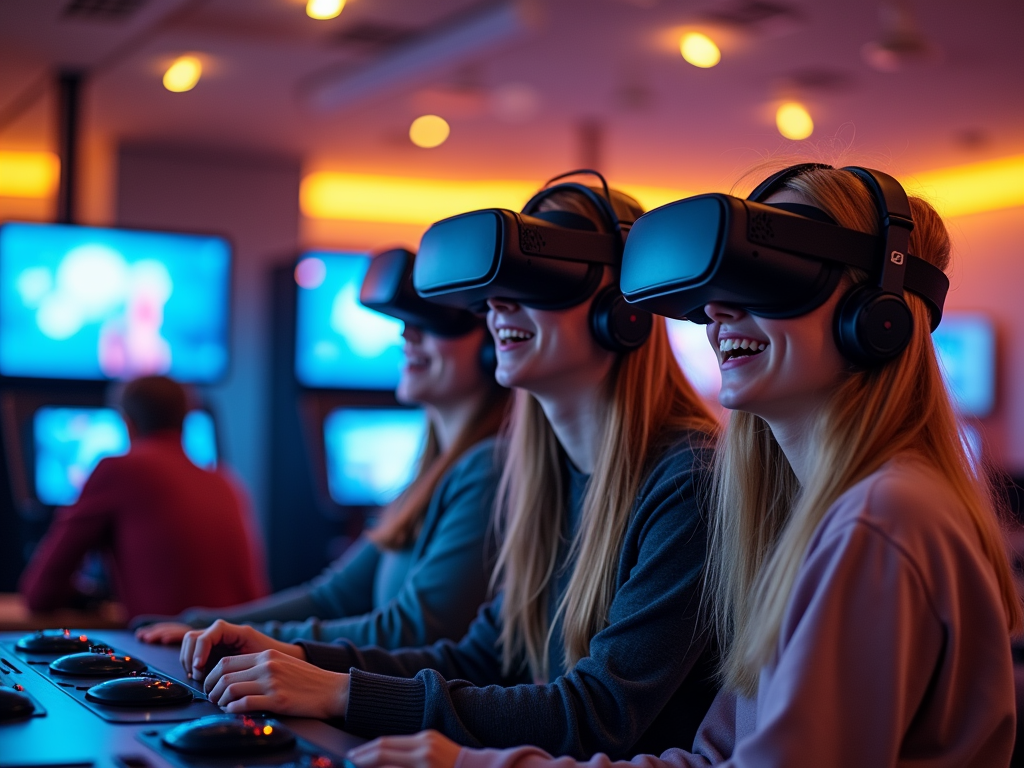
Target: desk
x=15, y=616
x=72, y=735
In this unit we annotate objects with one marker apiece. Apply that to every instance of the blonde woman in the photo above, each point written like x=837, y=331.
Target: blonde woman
x=858, y=569
x=595, y=643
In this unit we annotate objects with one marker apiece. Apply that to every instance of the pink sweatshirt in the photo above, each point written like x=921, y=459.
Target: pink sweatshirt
x=894, y=650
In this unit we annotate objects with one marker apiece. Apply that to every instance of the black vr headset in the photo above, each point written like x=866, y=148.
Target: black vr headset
x=387, y=288
x=541, y=259
x=784, y=260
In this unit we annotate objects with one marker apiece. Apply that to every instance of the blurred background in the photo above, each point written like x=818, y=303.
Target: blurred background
x=275, y=143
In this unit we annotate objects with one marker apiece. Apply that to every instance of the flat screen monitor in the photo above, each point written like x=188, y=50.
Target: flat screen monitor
x=372, y=453
x=965, y=343
x=92, y=303
x=339, y=343
x=70, y=442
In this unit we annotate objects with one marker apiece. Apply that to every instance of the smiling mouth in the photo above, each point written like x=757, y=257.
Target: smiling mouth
x=730, y=348
x=509, y=336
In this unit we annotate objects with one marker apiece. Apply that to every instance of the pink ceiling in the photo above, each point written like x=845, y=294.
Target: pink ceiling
x=610, y=63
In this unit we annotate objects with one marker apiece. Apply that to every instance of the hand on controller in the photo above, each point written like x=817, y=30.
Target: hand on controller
x=427, y=749
x=270, y=681
x=203, y=649
x=163, y=633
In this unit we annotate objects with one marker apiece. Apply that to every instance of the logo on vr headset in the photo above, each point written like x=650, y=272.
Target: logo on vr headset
x=531, y=240
x=896, y=257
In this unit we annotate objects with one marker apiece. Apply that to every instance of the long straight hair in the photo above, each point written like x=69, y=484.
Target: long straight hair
x=402, y=519
x=763, y=521
x=647, y=401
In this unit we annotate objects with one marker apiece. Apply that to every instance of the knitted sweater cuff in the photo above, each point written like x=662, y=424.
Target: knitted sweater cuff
x=378, y=704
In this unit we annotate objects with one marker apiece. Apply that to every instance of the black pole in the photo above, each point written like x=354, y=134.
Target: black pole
x=69, y=89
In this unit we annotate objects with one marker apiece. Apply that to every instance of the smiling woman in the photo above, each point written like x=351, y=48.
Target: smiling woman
x=603, y=538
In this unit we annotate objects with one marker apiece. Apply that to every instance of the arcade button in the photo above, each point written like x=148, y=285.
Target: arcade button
x=14, y=706
x=99, y=661
x=230, y=735
x=139, y=692
x=53, y=641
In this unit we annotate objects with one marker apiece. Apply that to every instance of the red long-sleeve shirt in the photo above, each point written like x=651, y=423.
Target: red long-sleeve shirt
x=176, y=535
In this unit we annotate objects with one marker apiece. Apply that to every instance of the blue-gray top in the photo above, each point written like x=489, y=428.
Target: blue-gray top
x=392, y=599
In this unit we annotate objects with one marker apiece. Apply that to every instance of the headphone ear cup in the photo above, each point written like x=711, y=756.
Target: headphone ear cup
x=616, y=325
x=488, y=358
x=872, y=326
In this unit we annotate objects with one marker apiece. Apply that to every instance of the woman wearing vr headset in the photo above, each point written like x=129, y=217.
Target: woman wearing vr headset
x=603, y=543
x=421, y=574
x=858, y=573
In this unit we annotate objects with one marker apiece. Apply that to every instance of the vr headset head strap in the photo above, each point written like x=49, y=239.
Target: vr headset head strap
x=897, y=222
x=602, y=203
x=775, y=182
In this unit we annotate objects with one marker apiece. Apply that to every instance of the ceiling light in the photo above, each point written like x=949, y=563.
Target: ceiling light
x=794, y=121
x=183, y=74
x=324, y=9
x=964, y=189
x=699, y=50
x=429, y=131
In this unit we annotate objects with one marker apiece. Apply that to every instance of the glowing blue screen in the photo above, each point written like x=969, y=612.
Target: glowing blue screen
x=90, y=303
x=372, y=452
x=70, y=442
x=966, y=346
x=339, y=343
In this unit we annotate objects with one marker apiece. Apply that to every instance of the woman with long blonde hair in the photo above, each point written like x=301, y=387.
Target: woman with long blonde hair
x=596, y=641
x=857, y=572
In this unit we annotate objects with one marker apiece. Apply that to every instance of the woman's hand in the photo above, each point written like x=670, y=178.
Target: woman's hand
x=202, y=648
x=428, y=749
x=274, y=682
x=163, y=633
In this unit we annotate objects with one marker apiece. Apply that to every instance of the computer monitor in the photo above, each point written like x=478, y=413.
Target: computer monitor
x=94, y=303
x=71, y=441
x=339, y=343
x=372, y=453
x=965, y=343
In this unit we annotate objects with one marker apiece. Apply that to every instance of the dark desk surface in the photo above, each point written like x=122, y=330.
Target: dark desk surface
x=71, y=734
x=15, y=616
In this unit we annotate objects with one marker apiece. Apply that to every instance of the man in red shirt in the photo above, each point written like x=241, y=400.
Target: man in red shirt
x=174, y=535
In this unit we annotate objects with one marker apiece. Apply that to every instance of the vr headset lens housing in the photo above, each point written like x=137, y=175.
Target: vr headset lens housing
x=720, y=248
x=779, y=260
x=387, y=288
x=466, y=259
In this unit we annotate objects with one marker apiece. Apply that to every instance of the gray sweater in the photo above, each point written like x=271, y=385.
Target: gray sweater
x=415, y=596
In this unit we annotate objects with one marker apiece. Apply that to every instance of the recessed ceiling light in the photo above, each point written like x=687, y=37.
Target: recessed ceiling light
x=794, y=121
x=429, y=131
x=699, y=50
x=324, y=9
x=183, y=74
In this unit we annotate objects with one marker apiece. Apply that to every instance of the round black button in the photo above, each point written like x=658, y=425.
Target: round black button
x=97, y=665
x=53, y=641
x=139, y=692
x=229, y=734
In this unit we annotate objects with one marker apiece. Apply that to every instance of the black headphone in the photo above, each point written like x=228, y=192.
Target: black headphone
x=873, y=323
x=614, y=324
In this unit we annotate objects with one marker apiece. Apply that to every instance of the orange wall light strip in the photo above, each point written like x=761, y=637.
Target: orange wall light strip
x=404, y=200
x=974, y=188
x=28, y=174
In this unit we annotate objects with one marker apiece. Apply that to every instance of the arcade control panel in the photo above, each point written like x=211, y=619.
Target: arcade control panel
x=101, y=699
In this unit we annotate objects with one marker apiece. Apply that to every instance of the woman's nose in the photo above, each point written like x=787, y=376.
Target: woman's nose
x=720, y=313
x=412, y=333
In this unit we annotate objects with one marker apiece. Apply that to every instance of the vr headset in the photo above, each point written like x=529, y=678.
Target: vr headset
x=541, y=259
x=387, y=288
x=784, y=260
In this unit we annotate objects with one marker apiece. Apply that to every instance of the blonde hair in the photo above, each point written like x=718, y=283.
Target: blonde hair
x=648, y=401
x=763, y=520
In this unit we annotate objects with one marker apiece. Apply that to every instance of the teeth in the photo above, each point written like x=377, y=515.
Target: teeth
x=513, y=334
x=727, y=346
